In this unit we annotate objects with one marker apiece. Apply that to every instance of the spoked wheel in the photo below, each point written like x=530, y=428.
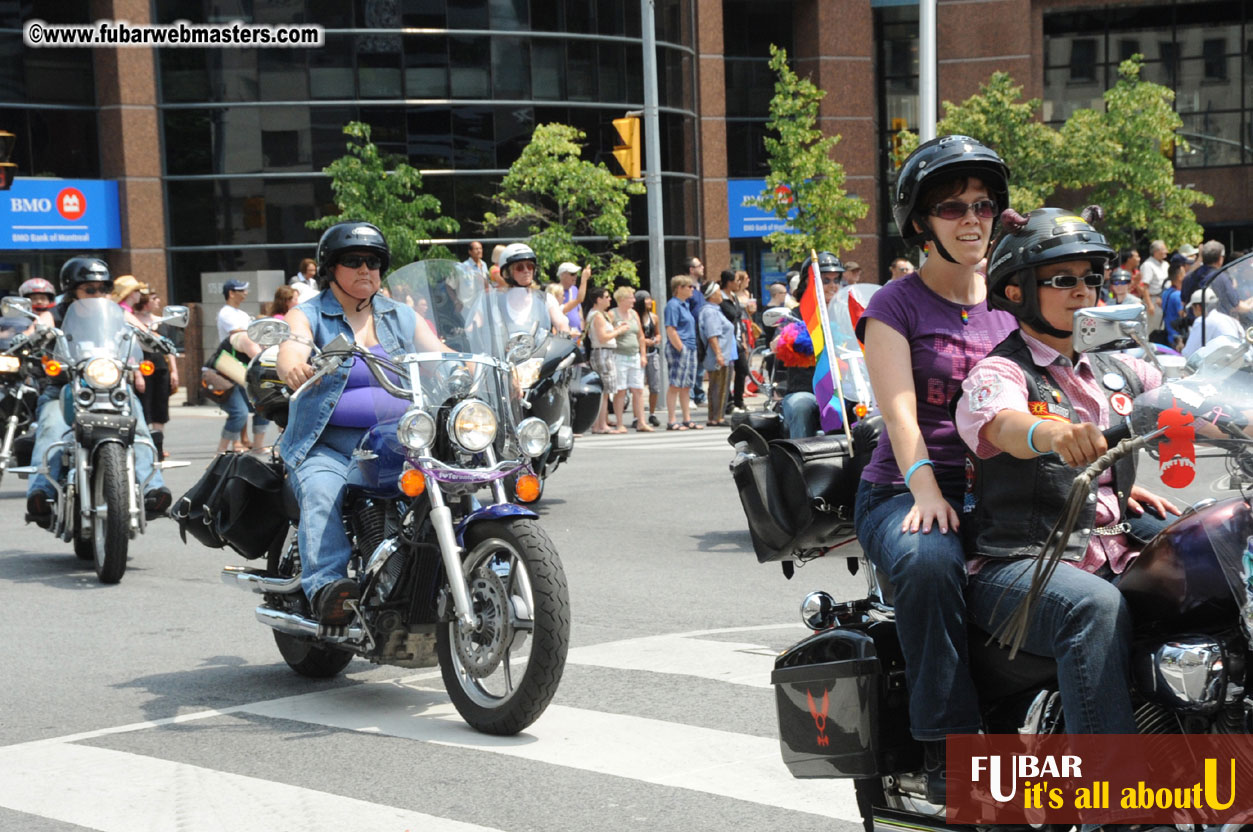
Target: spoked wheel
x=502, y=674
x=110, y=513
x=306, y=656
x=757, y=367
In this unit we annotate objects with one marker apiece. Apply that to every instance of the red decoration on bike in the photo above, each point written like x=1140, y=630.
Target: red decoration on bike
x=1177, y=451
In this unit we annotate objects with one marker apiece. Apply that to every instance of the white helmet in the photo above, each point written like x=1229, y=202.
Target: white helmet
x=514, y=253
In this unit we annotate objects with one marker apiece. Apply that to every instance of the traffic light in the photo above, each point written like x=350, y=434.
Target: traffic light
x=628, y=153
x=7, y=169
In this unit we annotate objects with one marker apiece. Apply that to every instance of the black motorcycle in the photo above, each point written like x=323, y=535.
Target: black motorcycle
x=841, y=698
x=20, y=375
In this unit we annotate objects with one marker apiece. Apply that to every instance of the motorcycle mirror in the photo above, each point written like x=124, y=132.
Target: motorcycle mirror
x=16, y=307
x=1221, y=353
x=519, y=347
x=175, y=316
x=1099, y=328
x=775, y=314
x=268, y=332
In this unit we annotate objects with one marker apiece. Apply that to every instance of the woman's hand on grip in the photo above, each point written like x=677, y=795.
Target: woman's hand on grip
x=298, y=375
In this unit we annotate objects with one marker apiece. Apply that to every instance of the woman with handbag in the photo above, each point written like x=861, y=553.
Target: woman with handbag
x=604, y=337
x=231, y=361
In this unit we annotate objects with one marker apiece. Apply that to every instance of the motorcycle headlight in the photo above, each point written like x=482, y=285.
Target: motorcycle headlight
x=416, y=429
x=10, y=363
x=527, y=373
x=102, y=373
x=473, y=425
x=533, y=436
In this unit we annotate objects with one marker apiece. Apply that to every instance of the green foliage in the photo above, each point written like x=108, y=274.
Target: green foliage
x=800, y=158
x=556, y=195
x=1123, y=155
x=367, y=191
x=1117, y=157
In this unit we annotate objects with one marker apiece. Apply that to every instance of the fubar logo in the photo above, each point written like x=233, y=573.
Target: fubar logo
x=820, y=717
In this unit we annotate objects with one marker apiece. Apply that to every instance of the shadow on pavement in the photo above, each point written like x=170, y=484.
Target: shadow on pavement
x=734, y=540
x=57, y=569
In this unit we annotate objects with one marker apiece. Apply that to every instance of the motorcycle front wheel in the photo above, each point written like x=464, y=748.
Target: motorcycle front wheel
x=110, y=513
x=502, y=674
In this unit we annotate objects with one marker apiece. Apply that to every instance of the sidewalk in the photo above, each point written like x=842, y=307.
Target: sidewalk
x=180, y=409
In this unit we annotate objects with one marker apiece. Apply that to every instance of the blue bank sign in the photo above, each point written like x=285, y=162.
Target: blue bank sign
x=745, y=220
x=60, y=214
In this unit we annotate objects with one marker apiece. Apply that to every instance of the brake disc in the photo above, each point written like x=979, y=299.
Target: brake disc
x=482, y=648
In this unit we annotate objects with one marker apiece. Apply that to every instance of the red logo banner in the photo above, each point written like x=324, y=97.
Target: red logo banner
x=1088, y=778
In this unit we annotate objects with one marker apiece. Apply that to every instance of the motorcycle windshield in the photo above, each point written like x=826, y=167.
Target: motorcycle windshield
x=10, y=327
x=466, y=314
x=96, y=328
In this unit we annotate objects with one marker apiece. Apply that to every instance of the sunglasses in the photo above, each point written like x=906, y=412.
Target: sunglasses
x=354, y=261
x=985, y=209
x=827, y=281
x=94, y=290
x=1070, y=281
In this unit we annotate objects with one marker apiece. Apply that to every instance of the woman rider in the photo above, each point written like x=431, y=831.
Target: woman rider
x=325, y=423
x=922, y=333
x=1033, y=411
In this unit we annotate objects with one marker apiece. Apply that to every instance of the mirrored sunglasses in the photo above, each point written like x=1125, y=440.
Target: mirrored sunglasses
x=985, y=209
x=1070, y=281
x=354, y=261
x=94, y=289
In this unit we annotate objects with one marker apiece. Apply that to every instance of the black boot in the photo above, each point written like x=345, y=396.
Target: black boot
x=158, y=439
x=935, y=766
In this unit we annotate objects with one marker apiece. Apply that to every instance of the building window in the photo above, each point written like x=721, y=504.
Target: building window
x=1083, y=60
x=1214, y=54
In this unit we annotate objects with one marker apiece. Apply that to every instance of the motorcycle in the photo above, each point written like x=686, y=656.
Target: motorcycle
x=841, y=698
x=20, y=372
x=100, y=505
x=475, y=588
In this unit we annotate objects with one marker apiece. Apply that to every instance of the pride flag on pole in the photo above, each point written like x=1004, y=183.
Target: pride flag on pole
x=826, y=386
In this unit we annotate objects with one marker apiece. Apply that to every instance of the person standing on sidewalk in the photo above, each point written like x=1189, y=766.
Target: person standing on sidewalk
x=233, y=329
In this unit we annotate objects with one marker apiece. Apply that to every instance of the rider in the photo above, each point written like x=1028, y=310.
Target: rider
x=81, y=277
x=518, y=266
x=41, y=293
x=1033, y=411
x=326, y=422
x=800, y=406
x=923, y=332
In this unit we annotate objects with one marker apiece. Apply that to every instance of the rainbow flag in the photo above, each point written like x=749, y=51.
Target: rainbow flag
x=814, y=313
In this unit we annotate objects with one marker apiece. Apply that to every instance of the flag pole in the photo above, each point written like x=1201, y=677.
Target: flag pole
x=815, y=277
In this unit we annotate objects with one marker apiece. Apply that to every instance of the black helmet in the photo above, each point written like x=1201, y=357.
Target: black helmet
x=349, y=236
x=827, y=262
x=514, y=253
x=1050, y=235
x=79, y=270
x=1119, y=276
x=266, y=391
x=948, y=157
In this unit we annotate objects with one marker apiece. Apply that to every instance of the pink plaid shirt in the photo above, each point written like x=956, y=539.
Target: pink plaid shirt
x=996, y=384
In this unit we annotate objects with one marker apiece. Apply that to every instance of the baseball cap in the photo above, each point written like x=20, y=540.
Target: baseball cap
x=1178, y=260
x=233, y=286
x=1211, y=298
x=1188, y=250
x=568, y=268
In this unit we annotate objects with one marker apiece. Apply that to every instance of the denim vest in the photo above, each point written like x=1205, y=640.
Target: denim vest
x=394, y=324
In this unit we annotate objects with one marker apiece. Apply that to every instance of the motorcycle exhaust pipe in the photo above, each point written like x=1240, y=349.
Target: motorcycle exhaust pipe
x=259, y=582
x=298, y=625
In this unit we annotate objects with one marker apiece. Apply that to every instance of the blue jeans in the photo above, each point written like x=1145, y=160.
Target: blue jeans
x=1081, y=621
x=236, y=406
x=928, y=574
x=319, y=482
x=51, y=427
x=800, y=415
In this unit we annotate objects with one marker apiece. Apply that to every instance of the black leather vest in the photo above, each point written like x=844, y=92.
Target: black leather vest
x=1011, y=504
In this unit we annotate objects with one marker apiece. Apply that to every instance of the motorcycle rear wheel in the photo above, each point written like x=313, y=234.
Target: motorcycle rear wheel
x=305, y=656
x=480, y=669
x=110, y=533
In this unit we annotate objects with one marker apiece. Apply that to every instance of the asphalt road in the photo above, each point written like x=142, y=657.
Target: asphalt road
x=160, y=703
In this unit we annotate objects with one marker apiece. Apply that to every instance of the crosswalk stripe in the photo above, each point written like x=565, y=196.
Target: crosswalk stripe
x=737, y=663
x=116, y=791
x=652, y=751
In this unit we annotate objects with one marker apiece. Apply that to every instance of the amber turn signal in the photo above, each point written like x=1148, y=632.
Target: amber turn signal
x=51, y=366
x=861, y=410
x=527, y=488
x=146, y=368
x=412, y=483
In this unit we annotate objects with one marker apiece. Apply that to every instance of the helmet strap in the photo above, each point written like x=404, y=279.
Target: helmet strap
x=929, y=236
x=1040, y=325
x=363, y=302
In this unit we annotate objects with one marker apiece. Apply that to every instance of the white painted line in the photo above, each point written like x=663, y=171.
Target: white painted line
x=114, y=791
x=738, y=663
x=648, y=750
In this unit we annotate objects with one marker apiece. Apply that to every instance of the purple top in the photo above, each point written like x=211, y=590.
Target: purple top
x=575, y=315
x=363, y=403
x=942, y=349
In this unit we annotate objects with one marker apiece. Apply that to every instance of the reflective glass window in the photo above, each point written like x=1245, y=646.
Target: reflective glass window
x=1214, y=139
x=611, y=17
x=424, y=14
x=468, y=62
x=54, y=142
x=184, y=75
x=279, y=11
x=579, y=16
x=426, y=66
x=283, y=74
x=613, y=61
x=581, y=70
x=326, y=129
x=189, y=142
x=245, y=211
x=548, y=69
x=514, y=126
x=510, y=15
x=430, y=140
x=511, y=67
x=378, y=66
x=474, y=137
x=331, y=68
x=467, y=14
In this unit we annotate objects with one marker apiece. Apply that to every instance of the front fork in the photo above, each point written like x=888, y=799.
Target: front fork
x=6, y=449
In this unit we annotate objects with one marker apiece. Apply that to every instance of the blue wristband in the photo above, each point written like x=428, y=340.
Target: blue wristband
x=915, y=467
x=1030, y=440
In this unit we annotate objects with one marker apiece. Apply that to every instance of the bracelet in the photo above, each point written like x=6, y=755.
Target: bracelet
x=1030, y=436
x=915, y=467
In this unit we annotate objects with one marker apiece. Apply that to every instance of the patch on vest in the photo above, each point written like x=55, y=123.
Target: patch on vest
x=1049, y=410
x=980, y=398
x=1121, y=403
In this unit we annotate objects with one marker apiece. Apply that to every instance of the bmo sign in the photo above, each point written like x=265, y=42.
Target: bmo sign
x=60, y=214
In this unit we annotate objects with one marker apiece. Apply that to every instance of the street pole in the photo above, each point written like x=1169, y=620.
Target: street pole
x=652, y=174
x=928, y=92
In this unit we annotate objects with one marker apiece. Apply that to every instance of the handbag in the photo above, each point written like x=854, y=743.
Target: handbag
x=225, y=363
x=216, y=386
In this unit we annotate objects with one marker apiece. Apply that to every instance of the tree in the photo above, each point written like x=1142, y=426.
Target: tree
x=556, y=196
x=385, y=190
x=1123, y=155
x=999, y=118
x=800, y=159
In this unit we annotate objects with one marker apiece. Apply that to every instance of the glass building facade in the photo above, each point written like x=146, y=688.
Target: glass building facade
x=456, y=87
